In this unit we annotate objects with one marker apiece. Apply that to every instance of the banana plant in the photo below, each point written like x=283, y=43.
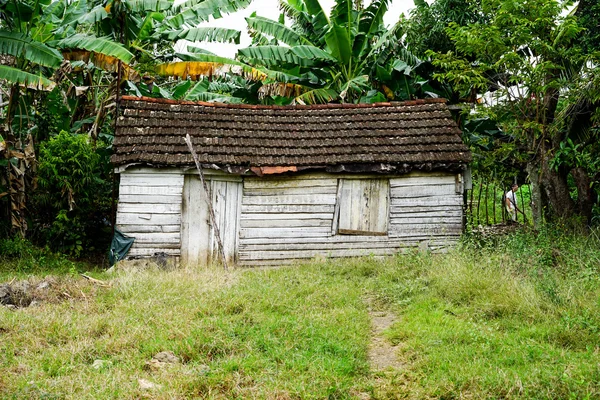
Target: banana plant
x=341, y=55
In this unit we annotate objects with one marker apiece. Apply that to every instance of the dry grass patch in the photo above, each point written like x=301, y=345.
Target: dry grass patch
x=280, y=333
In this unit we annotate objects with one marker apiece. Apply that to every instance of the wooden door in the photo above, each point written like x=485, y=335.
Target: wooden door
x=198, y=241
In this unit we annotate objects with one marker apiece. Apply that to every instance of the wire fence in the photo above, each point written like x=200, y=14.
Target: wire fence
x=485, y=204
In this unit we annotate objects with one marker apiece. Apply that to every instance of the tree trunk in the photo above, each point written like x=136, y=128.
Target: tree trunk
x=585, y=195
x=536, y=194
x=553, y=182
x=21, y=160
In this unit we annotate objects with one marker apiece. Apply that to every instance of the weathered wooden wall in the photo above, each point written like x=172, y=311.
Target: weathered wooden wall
x=275, y=220
x=149, y=209
x=285, y=219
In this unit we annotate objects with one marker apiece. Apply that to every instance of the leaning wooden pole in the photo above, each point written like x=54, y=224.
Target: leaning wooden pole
x=211, y=210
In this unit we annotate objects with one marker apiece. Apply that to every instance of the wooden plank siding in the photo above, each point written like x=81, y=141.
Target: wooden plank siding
x=149, y=209
x=277, y=220
x=286, y=219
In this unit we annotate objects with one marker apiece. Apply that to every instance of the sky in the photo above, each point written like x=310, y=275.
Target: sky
x=270, y=9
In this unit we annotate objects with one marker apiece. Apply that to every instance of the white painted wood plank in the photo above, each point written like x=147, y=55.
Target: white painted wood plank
x=421, y=181
x=379, y=207
x=289, y=200
x=426, y=220
x=405, y=212
x=434, y=214
x=323, y=246
x=148, y=219
x=153, y=171
x=317, y=190
x=213, y=174
x=425, y=223
x=427, y=201
x=195, y=227
x=157, y=190
x=425, y=209
x=329, y=239
x=364, y=205
x=287, y=216
x=149, y=251
x=285, y=223
x=145, y=199
x=238, y=200
x=226, y=203
x=174, y=208
x=284, y=232
x=156, y=237
x=425, y=232
x=424, y=191
x=232, y=227
x=151, y=180
x=276, y=255
x=159, y=245
x=248, y=210
x=131, y=229
x=254, y=183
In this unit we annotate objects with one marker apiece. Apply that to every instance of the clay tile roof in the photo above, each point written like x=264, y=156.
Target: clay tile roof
x=419, y=134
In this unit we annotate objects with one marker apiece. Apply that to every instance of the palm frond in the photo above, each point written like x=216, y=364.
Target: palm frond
x=342, y=13
x=95, y=15
x=317, y=96
x=148, y=5
x=358, y=84
x=320, y=20
x=201, y=91
x=18, y=45
x=191, y=69
x=198, y=50
x=274, y=55
x=220, y=35
x=311, y=52
x=279, y=31
x=104, y=46
x=104, y=62
x=147, y=25
x=15, y=75
x=371, y=21
x=203, y=9
x=339, y=44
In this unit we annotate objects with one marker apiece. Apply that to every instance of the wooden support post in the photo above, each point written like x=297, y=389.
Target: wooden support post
x=523, y=207
x=494, y=201
x=211, y=210
x=479, y=201
x=487, y=221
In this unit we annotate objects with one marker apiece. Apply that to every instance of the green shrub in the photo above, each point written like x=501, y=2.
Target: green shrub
x=20, y=257
x=73, y=200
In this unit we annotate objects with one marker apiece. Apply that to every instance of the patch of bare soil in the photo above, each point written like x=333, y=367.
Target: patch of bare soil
x=34, y=291
x=382, y=354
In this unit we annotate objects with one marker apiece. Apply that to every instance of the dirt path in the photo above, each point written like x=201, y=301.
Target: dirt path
x=382, y=354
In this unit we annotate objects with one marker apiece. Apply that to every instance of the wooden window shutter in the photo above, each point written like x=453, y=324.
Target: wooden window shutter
x=363, y=206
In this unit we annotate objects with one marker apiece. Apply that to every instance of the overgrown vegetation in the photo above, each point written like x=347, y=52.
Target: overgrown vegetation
x=73, y=198
x=20, y=259
x=507, y=317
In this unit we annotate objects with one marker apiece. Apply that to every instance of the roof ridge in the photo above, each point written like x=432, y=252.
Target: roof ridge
x=297, y=107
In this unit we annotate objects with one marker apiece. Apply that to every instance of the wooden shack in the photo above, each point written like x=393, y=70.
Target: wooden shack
x=289, y=183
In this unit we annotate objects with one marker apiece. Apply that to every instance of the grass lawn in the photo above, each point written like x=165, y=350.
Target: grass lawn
x=517, y=317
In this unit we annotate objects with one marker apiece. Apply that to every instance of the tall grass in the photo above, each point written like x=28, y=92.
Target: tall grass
x=514, y=317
